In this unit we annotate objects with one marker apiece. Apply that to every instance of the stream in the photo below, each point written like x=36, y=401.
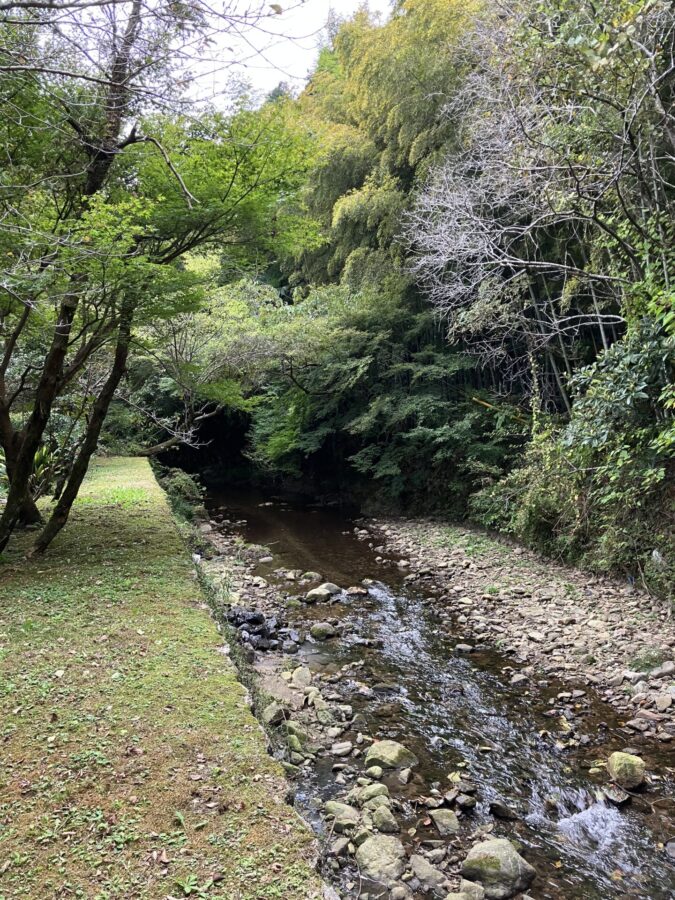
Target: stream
x=458, y=712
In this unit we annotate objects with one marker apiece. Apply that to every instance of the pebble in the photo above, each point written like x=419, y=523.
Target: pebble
x=342, y=749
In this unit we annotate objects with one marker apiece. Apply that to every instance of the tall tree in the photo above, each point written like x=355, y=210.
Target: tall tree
x=85, y=96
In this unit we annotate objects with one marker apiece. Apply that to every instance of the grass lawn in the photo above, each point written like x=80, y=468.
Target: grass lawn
x=130, y=764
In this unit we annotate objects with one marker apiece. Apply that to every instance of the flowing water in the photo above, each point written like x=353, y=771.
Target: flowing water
x=459, y=712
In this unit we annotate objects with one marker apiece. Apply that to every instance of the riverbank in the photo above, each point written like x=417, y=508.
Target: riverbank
x=412, y=740
x=131, y=764
x=551, y=619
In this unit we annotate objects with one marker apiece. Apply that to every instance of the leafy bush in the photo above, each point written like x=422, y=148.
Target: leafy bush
x=184, y=492
x=379, y=403
x=600, y=489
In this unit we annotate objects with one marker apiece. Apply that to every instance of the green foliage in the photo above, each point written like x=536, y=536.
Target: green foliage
x=599, y=489
x=378, y=107
x=184, y=492
x=377, y=397
x=514, y=170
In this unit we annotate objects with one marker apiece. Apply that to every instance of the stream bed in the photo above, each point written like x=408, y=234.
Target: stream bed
x=534, y=750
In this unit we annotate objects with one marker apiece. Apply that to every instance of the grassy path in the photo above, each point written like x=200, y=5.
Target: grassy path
x=130, y=764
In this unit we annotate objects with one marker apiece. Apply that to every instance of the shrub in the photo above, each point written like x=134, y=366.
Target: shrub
x=600, y=490
x=184, y=493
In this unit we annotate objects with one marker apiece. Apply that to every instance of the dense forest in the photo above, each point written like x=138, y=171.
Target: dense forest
x=439, y=279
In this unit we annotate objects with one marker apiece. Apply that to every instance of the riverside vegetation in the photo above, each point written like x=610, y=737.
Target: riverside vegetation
x=446, y=338
x=435, y=281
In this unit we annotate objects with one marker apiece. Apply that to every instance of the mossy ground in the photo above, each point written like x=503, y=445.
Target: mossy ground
x=130, y=763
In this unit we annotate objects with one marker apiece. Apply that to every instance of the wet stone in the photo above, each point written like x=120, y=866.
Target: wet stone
x=627, y=770
x=317, y=594
x=400, y=892
x=381, y=858
x=615, y=794
x=445, y=821
x=342, y=749
x=302, y=677
x=343, y=816
x=384, y=820
x=273, y=714
x=431, y=878
x=339, y=847
x=465, y=801
x=503, y=811
x=323, y=631
x=390, y=755
x=468, y=890
x=499, y=868
x=376, y=802
x=363, y=795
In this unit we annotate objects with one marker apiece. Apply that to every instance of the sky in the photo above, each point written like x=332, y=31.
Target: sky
x=287, y=47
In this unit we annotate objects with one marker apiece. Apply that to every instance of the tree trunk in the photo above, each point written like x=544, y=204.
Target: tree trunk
x=61, y=511
x=101, y=154
x=28, y=513
x=45, y=393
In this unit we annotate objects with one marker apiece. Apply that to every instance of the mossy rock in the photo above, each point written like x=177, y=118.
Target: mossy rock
x=390, y=755
x=626, y=770
x=343, y=816
x=381, y=858
x=498, y=867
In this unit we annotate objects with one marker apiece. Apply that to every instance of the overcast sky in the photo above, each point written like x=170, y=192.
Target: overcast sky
x=287, y=47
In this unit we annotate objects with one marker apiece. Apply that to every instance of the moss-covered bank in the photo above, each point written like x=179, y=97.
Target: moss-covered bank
x=131, y=765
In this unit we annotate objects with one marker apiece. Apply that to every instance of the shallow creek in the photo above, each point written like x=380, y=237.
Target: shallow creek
x=459, y=713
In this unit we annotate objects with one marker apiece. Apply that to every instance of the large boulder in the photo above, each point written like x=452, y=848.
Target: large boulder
x=390, y=755
x=499, y=868
x=381, y=858
x=343, y=816
x=626, y=770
